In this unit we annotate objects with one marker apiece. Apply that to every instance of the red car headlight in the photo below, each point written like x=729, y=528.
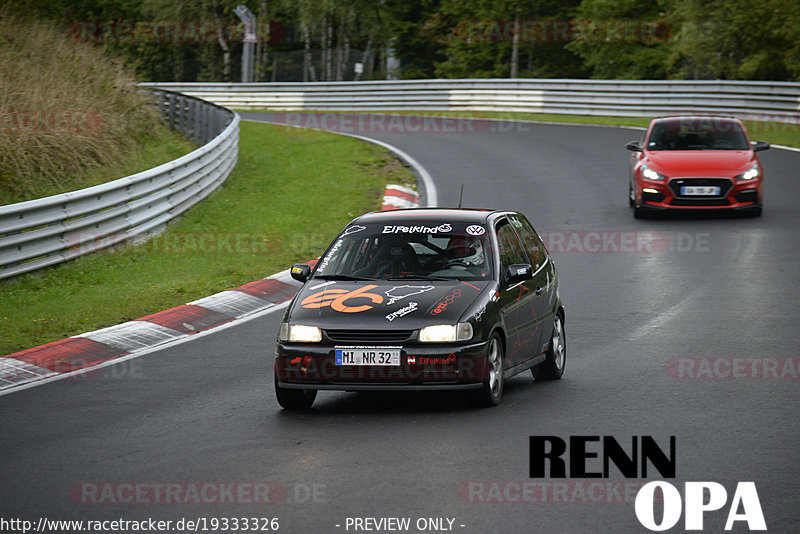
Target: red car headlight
x=750, y=174
x=650, y=174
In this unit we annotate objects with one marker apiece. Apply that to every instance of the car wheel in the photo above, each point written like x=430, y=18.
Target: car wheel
x=631, y=196
x=492, y=390
x=638, y=213
x=553, y=365
x=294, y=399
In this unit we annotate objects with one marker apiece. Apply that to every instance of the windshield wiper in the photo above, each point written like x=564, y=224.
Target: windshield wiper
x=342, y=277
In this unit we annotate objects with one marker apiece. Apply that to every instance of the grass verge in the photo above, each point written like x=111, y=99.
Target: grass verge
x=290, y=193
x=779, y=133
x=161, y=145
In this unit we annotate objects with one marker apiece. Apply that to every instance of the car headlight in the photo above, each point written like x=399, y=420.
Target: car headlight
x=444, y=333
x=650, y=174
x=751, y=174
x=298, y=333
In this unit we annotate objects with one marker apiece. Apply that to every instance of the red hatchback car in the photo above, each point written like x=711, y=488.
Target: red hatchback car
x=691, y=163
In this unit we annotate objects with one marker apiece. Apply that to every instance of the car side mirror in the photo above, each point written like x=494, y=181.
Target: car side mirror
x=634, y=146
x=300, y=272
x=760, y=145
x=519, y=272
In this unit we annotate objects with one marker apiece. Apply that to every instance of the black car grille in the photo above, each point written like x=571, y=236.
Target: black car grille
x=368, y=336
x=675, y=185
x=652, y=197
x=747, y=196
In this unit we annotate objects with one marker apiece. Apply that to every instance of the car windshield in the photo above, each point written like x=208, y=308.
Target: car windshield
x=411, y=250
x=697, y=134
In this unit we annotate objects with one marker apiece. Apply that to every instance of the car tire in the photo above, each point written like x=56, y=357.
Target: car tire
x=492, y=389
x=631, y=196
x=294, y=399
x=638, y=213
x=552, y=368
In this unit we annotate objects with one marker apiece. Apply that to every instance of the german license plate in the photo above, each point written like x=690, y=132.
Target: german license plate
x=387, y=356
x=701, y=190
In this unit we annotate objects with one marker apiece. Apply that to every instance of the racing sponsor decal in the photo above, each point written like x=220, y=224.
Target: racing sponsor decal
x=445, y=302
x=297, y=270
x=476, y=229
x=338, y=299
x=334, y=249
x=400, y=292
x=412, y=306
x=417, y=229
x=303, y=362
x=479, y=314
x=437, y=360
x=353, y=230
x=411, y=359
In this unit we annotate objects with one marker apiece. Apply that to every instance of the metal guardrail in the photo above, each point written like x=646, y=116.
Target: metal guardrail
x=749, y=99
x=46, y=231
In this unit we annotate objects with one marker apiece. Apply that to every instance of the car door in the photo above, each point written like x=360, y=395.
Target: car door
x=515, y=299
x=543, y=282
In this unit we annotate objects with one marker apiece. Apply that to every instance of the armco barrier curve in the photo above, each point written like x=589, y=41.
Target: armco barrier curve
x=42, y=232
x=779, y=101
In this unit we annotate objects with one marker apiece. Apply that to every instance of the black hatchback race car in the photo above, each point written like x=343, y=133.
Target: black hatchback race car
x=423, y=299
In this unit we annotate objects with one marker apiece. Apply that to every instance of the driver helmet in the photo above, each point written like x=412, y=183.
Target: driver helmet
x=467, y=249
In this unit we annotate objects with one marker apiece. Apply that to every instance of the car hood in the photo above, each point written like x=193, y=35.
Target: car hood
x=699, y=162
x=383, y=305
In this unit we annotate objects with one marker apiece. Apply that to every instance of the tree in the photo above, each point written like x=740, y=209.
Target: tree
x=622, y=39
x=734, y=39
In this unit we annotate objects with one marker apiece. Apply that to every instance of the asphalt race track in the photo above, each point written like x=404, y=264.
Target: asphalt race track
x=676, y=326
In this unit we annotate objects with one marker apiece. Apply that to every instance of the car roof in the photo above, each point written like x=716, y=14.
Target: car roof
x=459, y=215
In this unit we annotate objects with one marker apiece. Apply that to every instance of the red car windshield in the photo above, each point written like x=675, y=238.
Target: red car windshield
x=697, y=134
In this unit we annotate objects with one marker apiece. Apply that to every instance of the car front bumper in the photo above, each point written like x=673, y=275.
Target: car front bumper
x=738, y=195
x=422, y=367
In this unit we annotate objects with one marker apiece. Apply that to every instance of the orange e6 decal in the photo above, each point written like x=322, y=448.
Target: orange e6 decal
x=337, y=298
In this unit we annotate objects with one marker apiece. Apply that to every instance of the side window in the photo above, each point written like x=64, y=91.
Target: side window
x=530, y=240
x=510, y=249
